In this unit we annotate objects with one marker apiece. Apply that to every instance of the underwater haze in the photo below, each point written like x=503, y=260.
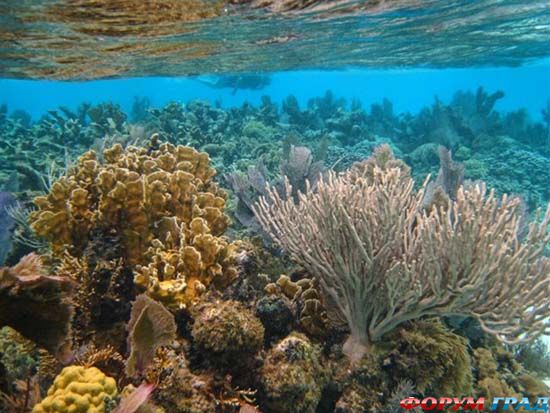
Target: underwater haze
x=274, y=206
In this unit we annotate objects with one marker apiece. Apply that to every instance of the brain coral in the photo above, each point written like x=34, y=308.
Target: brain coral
x=161, y=204
x=78, y=389
x=292, y=375
x=227, y=327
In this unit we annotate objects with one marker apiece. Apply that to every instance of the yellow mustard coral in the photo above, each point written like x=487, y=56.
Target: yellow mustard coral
x=180, y=270
x=159, y=202
x=78, y=389
x=307, y=300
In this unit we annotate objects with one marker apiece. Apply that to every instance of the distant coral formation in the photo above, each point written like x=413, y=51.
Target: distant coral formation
x=337, y=132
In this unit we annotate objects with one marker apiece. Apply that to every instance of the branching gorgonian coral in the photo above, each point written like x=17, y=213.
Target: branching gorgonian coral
x=383, y=259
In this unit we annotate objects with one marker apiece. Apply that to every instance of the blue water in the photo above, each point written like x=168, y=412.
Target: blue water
x=409, y=90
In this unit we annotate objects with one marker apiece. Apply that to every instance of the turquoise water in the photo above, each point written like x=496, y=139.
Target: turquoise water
x=409, y=89
x=277, y=206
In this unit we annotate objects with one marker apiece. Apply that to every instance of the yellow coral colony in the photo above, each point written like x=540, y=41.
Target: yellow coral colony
x=162, y=205
x=78, y=389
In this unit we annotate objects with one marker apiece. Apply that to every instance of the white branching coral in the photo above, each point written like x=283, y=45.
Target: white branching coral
x=383, y=259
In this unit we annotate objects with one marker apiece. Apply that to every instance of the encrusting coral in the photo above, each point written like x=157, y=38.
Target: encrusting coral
x=227, y=328
x=435, y=359
x=78, y=389
x=161, y=205
x=419, y=358
x=276, y=312
x=363, y=386
x=497, y=372
x=292, y=375
x=187, y=393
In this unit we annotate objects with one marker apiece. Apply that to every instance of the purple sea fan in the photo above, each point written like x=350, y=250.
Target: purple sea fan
x=132, y=402
x=151, y=326
x=248, y=408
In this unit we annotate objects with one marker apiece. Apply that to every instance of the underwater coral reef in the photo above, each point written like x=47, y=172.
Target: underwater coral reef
x=194, y=259
x=497, y=147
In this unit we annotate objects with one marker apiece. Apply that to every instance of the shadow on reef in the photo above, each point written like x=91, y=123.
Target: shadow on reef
x=141, y=297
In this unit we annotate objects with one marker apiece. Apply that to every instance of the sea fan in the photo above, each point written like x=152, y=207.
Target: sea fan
x=132, y=402
x=151, y=325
